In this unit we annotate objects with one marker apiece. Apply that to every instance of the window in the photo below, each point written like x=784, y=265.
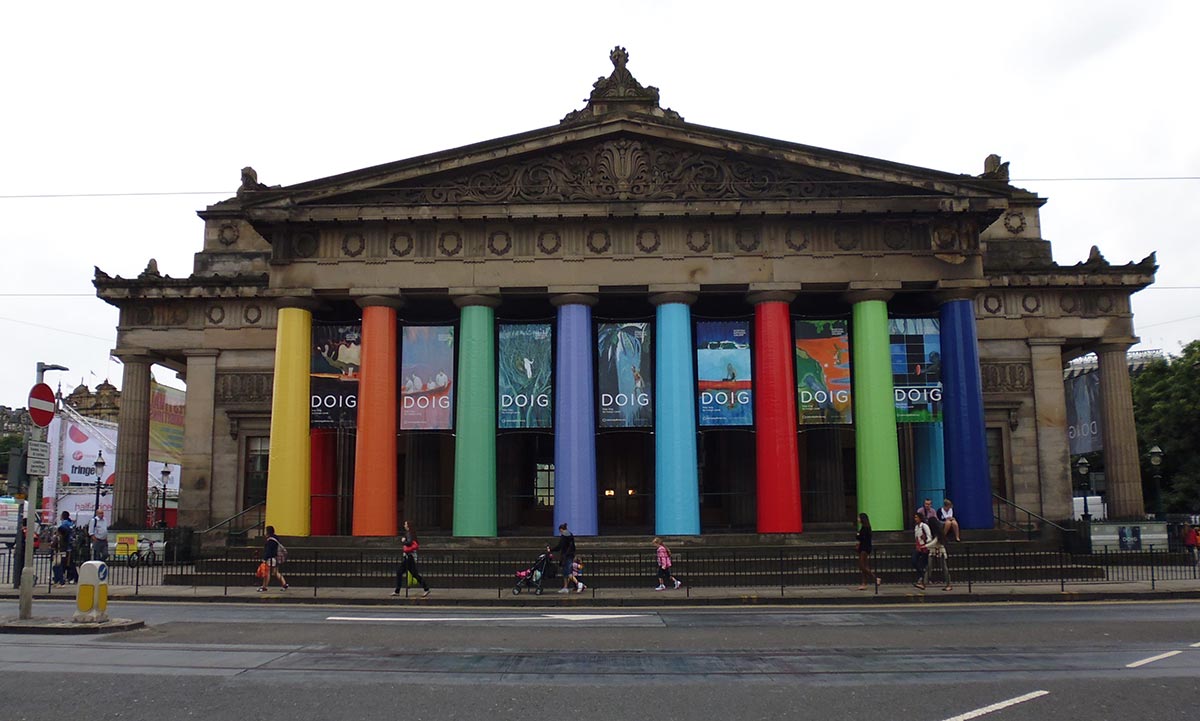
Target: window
x=996, y=465
x=258, y=450
x=543, y=485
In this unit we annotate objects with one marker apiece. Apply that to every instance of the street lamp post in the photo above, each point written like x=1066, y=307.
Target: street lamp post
x=1083, y=468
x=99, y=464
x=166, y=477
x=1156, y=459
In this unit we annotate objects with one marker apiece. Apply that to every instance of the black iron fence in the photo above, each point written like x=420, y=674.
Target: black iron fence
x=968, y=564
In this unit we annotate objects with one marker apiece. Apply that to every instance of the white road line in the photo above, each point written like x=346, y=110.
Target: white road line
x=1195, y=645
x=1152, y=659
x=487, y=619
x=998, y=706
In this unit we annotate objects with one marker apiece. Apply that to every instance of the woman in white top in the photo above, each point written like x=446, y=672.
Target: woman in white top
x=920, y=560
x=945, y=514
x=937, y=554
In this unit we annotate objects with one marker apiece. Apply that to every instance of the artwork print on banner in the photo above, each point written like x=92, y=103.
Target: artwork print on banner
x=624, y=375
x=333, y=375
x=823, y=372
x=723, y=373
x=524, y=377
x=427, y=378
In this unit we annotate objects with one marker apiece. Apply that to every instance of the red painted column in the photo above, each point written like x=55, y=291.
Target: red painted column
x=323, y=443
x=375, y=450
x=775, y=414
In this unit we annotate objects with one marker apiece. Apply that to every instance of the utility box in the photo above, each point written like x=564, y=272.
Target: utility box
x=91, y=594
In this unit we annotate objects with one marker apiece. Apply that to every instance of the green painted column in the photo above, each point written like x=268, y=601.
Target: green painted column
x=876, y=447
x=475, y=419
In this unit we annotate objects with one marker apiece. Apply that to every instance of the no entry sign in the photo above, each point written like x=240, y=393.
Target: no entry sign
x=41, y=405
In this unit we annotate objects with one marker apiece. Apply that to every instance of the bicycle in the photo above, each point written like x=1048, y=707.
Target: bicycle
x=144, y=554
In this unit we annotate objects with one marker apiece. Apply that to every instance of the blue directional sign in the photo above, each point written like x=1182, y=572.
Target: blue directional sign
x=102, y=572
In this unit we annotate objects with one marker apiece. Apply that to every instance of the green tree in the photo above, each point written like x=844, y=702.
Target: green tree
x=1166, y=409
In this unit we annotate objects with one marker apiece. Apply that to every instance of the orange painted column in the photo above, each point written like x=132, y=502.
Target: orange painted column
x=375, y=481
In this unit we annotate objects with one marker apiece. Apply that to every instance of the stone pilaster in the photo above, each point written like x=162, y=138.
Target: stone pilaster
x=1053, y=454
x=133, y=442
x=1121, y=469
x=195, y=485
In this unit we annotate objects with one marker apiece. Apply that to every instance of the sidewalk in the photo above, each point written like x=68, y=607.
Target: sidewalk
x=686, y=596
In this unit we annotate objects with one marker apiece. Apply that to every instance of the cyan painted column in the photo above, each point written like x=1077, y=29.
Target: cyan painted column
x=930, y=461
x=876, y=446
x=575, y=498
x=967, y=482
x=676, y=477
x=475, y=419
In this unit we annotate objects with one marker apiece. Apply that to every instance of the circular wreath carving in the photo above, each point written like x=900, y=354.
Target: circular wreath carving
x=896, y=237
x=549, y=242
x=845, y=238
x=698, y=241
x=450, y=243
x=252, y=314
x=1031, y=303
x=179, y=316
x=401, y=244
x=305, y=245
x=499, y=243
x=797, y=239
x=216, y=314
x=992, y=303
x=228, y=234
x=1068, y=302
x=648, y=240
x=598, y=241
x=1104, y=303
x=945, y=238
x=353, y=244
x=143, y=316
x=1014, y=221
x=747, y=240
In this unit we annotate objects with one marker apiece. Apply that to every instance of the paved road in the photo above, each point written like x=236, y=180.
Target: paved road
x=226, y=661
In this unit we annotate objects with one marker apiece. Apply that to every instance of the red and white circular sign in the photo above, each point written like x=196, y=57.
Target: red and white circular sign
x=41, y=405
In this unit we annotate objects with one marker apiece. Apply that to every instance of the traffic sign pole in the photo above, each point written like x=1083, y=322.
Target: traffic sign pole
x=34, y=498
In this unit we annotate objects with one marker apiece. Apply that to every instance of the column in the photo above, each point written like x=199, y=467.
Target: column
x=422, y=479
x=288, y=500
x=1121, y=469
x=676, y=477
x=778, y=468
x=195, y=483
x=823, y=471
x=323, y=483
x=929, y=452
x=876, y=446
x=475, y=419
x=967, y=478
x=1053, y=451
x=375, y=455
x=133, y=442
x=575, y=416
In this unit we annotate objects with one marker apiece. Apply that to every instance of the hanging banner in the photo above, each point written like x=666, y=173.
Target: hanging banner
x=916, y=345
x=333, y=376
x=823, y=372
x=427, y=377
x=166, y=423
x=524, y=375
x=624, y=375
x=723, y=373
x=1084, y=433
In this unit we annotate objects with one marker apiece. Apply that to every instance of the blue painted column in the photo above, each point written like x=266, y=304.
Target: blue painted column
x=967, y=482
x=575, y=416
x=676, y=477
x=930, y=461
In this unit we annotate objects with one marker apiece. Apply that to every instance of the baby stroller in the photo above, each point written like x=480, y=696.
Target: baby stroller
x=533, y=576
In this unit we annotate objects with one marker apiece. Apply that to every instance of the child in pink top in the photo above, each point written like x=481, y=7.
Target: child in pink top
x=664, y=566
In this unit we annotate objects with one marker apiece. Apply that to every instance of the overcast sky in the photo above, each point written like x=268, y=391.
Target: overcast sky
x=161, y=98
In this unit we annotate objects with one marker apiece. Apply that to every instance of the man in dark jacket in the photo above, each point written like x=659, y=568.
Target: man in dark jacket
x=565, y=550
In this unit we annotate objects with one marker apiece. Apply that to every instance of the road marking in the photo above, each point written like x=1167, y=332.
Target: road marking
x=1195, y=645
x=998, y=706
x=1152, y=659
x=488, y=619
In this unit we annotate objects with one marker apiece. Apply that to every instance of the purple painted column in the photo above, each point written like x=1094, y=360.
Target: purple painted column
x=967, y=482
x=575, y=416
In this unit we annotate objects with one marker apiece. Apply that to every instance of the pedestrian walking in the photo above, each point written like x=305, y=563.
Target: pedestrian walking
x=664, y=566
x=937, y=554
x=274, y=554
x=69, y=553
x=920, y=560
x=408, y=564
x=565, y=550
x=98, y=535
x=864, y=548
x=1191, y=542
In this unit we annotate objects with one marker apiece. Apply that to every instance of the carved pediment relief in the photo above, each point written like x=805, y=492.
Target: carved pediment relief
x=631, y=169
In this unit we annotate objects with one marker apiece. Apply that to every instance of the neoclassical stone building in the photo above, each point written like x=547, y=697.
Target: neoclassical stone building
x=626, y=321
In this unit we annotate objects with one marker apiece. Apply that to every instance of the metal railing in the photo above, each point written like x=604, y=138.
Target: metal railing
x=1029, y=527
x=239, y=525
x=969, y=565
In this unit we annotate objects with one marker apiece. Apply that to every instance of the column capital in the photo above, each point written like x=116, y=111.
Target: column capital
x=1059, y=342
x=673, y=297
x=859, y=296
x=133, y=355
x=394, y=302
x=949, y=295
x=308, y=303
x=471, y=299
x=1115, y=345
x=754, y=297
x=574, y=299
x=201, y=352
